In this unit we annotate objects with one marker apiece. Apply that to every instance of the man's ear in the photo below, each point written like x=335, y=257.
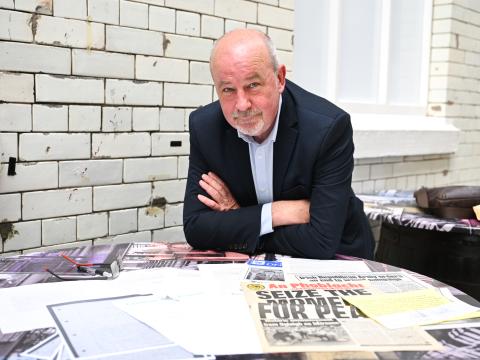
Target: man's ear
x=281, y=75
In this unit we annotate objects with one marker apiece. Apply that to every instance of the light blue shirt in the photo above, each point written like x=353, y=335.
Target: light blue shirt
x=261, y=162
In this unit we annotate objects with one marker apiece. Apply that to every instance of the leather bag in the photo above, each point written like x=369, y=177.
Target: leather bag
x=449, y=201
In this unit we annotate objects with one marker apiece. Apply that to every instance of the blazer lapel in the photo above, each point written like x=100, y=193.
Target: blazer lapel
x=284, y=143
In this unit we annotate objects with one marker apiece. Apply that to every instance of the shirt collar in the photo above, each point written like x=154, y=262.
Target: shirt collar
x=273, y=134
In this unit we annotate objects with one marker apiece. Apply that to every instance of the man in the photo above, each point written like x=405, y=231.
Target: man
x=270, y=164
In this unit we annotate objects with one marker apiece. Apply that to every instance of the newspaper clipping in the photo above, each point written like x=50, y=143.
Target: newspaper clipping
x=292, y=317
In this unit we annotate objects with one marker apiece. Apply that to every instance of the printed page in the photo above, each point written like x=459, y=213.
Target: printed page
x=411, y=308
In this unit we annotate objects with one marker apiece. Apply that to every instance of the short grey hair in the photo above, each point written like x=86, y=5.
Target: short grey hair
x=272, y=52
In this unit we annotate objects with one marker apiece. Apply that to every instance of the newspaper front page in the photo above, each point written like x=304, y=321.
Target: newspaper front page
x=383, y=282
x=299, y=317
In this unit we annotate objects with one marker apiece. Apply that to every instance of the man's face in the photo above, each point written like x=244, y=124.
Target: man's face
x=248, y=88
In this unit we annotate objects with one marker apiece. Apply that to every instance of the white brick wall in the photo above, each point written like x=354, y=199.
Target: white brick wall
x=150, y=169
x=8, y=146
x=69, y=89
x=173, y=215
x=275, y=17
x=117, y=119
x=237, y=10
x=122, y=221
x=10, y=209
x=200, y=73
x=212, y=27
x=16, y=87
x=185, y=47
x=57, y=146
x=7, y=4
x=170, y=144
x=145, y=119
x=92, y=226
x=201, y=6
x=15, y=117
x=172, y=190
x=29, y=176
x=133, y=14
x=84, y=118
x=70, y=32
x=49, y=118
x=14, y=26
x=126, y=92
x=34, y=58
x=182, y=167
x=39, y=6
x=171, y=234
x=23, y=235
x=54, y=203
x=162, y=19
x=121, y=196
x=120, y=145
x=94, y=103
x=102, y=64
x=59, y=231
x=90, y=172
x=188, y=23
x=172, y=119
x=106, y=11
x=75, y=9
x=131, y=40
x=187, y=95
x=150, y=218
x=161, y=69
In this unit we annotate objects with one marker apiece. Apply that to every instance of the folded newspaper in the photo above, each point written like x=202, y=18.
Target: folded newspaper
x=301, y=317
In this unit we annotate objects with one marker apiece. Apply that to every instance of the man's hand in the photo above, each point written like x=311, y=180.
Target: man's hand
x=290, y=212
x=221, y=197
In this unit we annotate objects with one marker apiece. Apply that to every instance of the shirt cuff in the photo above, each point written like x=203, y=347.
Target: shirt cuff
x=266, y=222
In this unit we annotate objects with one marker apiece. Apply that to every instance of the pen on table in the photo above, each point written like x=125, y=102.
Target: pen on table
x=92, y=271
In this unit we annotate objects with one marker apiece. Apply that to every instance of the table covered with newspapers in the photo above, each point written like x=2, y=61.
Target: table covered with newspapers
x=168, y=301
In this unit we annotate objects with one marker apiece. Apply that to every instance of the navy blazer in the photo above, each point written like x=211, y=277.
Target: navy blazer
x=312, y=159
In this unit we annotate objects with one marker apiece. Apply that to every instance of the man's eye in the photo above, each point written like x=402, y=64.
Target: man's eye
x=227, y=90
x=253, y=85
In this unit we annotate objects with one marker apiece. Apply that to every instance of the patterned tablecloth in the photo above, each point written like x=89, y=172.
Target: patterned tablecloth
x=399, y=208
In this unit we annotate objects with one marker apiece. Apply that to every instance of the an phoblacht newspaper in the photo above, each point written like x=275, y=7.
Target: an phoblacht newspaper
x=301, y=317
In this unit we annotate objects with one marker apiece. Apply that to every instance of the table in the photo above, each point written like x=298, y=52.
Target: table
x=445, y=249
x=178, y=255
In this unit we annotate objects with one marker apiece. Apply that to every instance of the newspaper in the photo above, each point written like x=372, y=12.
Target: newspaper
x=177, y=255
x=377, y=282
x=292, y=317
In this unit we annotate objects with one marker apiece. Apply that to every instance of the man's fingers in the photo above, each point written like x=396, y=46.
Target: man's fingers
x=213, y=183
x=210, y=190
x=217, y=179
x=208, y=202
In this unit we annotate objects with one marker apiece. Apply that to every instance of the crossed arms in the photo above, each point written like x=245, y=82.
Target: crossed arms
x=284, y=212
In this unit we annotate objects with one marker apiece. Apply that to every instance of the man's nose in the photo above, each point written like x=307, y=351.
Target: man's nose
x=243, y=103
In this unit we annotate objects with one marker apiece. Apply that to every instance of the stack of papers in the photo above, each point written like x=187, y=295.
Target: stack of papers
x=280, y=306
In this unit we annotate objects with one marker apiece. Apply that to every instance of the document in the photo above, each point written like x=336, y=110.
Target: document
x=19, y=311
x=292, y=317
x=222, y=278
x=202, y=324
x=308, y=266
x=410, y=308
x=111, y=332
x=383, y=282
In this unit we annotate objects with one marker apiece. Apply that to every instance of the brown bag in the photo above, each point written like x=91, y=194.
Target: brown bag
x=449, y=201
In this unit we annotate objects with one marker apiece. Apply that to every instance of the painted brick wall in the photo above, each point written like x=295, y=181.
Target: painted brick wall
x=94, y=104
x=455, y=94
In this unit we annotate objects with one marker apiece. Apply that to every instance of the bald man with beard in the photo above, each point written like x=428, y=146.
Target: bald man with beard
x=270, y=164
